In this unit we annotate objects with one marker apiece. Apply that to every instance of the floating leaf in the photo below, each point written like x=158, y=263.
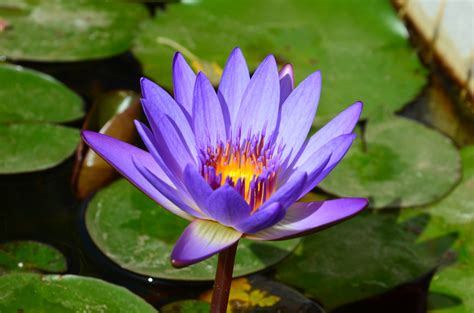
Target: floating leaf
x=137, y=234
x=453, y=285
x=362, y=50
x=63, y=30
x=113, y=115
x=396, y=163
x=30, y=96
x=34, y=147
x=362, y=257
x=29, y=101
x=27, y=256
x=26, y=292
x=453, y=289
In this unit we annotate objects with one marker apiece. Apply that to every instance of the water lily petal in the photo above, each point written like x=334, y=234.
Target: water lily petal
x=273, y=210
x=171, y=145
x=157, y=100
x=343, y=123
x=120, y=155
x=287, y=82
x=262, y=219
x=297, y=114
x=201, y=240
x=260, y=102
x=183, y=82
x=149, y=140
x=175, y=195
x=227, y=206
x=306, y=217
x=209, y=125
x=288, y=193
x=197, y=187
x=338, y=147
x=234, y=81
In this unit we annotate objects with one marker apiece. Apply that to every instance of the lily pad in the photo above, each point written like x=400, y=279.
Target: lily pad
x=27, y=256
x=63, y=30
x=362, y=50
x=30, y=96
x=360, y=258
x=138, y=235
x=453, y=289
x=396, y=163
x=29, y=102
x=453, y=285
x=26, y=292
x=34, y=147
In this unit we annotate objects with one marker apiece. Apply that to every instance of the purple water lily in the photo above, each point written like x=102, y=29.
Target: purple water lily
x=235, y=162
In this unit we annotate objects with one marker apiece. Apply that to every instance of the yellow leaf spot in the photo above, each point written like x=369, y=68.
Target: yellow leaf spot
x=260, y=298
x=242, y=296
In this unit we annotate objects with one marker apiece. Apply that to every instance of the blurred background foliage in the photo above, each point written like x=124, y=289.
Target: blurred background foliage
x=67, y=65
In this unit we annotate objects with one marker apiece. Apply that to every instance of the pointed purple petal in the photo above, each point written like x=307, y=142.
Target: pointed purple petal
x=183, y=82
x=201, y=240
x=120, y=155
x=209, y=125
x=260, y=102
x=273, y=210
x=297, y=114
x=197, y=187
x=343, y=123
x=234, y=81
x=156, y=100
x=287, y=82
x=305, y=218
x=176, y=196
x=338, y=147
x=227, y=206
x=150, y=143
x=262, y=219
x=289, y=192
x=171, y=146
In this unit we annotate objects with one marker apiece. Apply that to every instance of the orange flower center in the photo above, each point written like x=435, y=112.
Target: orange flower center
x=249, y=167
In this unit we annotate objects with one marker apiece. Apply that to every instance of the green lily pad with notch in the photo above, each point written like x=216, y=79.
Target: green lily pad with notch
x=360, y=258
x=63, y=30
x=396, y=163
x=29, y=103
x=361, y=50
x=31, y=256
x=452, y=288
x=138, y=235
x=27, y=292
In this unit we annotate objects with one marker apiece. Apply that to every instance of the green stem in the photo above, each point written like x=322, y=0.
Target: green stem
x=225, y=267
